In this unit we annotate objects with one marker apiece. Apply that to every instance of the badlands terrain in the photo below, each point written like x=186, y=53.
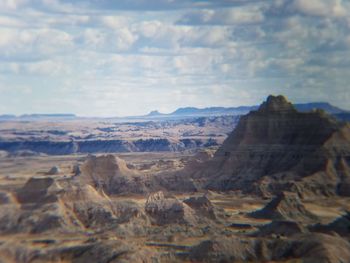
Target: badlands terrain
x=272, y=185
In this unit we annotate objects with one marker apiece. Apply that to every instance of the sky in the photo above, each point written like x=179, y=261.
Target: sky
x=128, y=57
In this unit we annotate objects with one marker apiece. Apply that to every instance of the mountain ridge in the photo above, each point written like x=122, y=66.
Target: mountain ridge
x=185, y=112
x=240, y=110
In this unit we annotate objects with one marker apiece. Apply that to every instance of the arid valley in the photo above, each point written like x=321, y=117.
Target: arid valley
x=170, y=131
x=269, y=185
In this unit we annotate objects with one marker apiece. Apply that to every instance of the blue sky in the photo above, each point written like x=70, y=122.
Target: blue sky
x=128, y=57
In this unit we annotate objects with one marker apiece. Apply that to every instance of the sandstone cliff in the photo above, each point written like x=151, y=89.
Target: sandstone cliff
x=277, y=148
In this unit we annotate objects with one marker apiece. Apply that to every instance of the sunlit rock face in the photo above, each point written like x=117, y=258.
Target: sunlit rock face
x=112, y=175
x=168, y=210
x=278, y=148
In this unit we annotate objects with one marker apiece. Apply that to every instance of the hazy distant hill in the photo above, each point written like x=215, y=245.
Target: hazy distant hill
x=190, y=112
x=30, y=117
x=319, y=105
x=7, y=117
x=214, y=110
x=241, y=110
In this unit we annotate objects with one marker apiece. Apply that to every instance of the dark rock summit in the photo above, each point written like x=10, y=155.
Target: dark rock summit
x=277, y=148
x=276, y=104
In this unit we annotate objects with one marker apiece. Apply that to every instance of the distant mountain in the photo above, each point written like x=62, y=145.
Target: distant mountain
x=344, y=116
x=7, y=117
x=37, y=117
x=214, y=111
x=210, y=111
x=241, y=110
x=319, y=105
x=154, y=113
x=58, y=115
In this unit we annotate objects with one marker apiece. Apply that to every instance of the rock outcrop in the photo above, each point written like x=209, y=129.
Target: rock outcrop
x=76, y=170
x=112, y=175
x=43, y=204
x=285, y=206
x=39, y=191
x=201, y=205
x=281, y=228
x=168, y=210
x=277, y=148
x=54, y=170
x=340, y=225
x=304, y=247
x=6, y=198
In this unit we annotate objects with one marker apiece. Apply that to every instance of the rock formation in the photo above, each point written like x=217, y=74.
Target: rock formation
x=285, y=206
x=111, y=174
x=54, y=170
x=76, y=170
x=45, y=205
x=304, y=247
x=168, y=210
x=6, y=198
x=39, y=191
x=201, y=205
x=340, y=225
x=281, y=228
x=277, y=148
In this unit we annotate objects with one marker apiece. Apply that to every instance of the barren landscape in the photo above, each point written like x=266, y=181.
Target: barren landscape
x=275, y=190
x=169, y=131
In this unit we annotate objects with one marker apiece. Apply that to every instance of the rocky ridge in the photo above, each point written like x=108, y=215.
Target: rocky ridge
x=277, y=148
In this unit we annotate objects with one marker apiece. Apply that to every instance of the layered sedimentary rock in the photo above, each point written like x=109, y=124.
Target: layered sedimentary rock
x=20, y=148
x=303, y=247
x=277, y=148
x=112, y=175
x=43, y=204
x=285, y=206
x=39, y=191
x=201, y=205
x=168, y=210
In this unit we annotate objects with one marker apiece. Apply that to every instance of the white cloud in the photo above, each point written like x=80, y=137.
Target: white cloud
x=335, y=8
x=115, y=22
x=124, y=38
x=11, y=4
x=115, y=40
x=21, y=44
x=228, y=16
x=57, y=6
x=7, y=21
x=47, y=67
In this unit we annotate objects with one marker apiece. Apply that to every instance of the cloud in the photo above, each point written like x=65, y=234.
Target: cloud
x=47, y=67
x=117, y=40
x=115, y=22
x=7, y=21
x=154, y=5
x=6, y=5
x=28, y=44
x=227, y=16
x=335, y=8
x=129, y=57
